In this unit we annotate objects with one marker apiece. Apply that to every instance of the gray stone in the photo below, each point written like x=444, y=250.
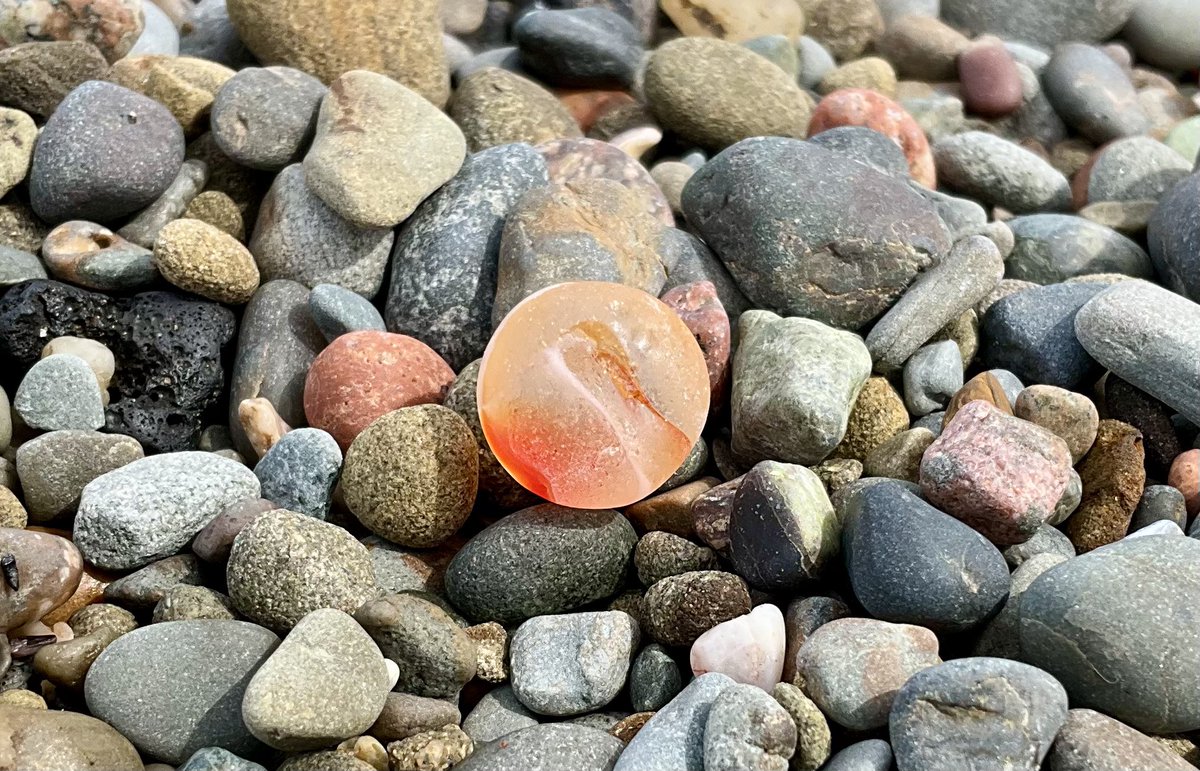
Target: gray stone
x=1159, y=503
x=264, y=117
x=1135, y=169
x=587, y=47
x=298, y=237
x=660, y=555
x=174, y=688
x=998, y=172
x=777, y=49
x=795, y=381
x=499, y=713
x=932, y=376
x=951, y=715
x=405, y=715
x=143, y=229
x=553, y=747
x=1142, y=333
x=218, y=759
x=1102, y=623
x=673, y=740
x=142, y=589
x=1173, y=235
x=961, y=216
x=1032, y=334
x=1093, y=94
x=912, y=564
x=869, y=755
x=1051, y=248
x=689, y=259
x=337, y=310
x=435, y=656
x=971, y=270
x=1165, y=33
x=104, y=153
x=1047, y=539
x=209, y=34
x=1038, y=22
x=17, y=265
x=1011, y=384
x=540, y=560
x=785, y=216
x=1036, y=118
x=284, y=565
x=277, y=341
x=1002, y=636
x=151, y=508
x=36, y=76
x=654, y=679
x=572, y=664
x=300, y=471
x=39, y=739
x=444, y=262
x=185, y=603
x=60, y=393
x=326, y=681
x=1069, y=501
x=866, y=146
x=159, y=35
x=1089, y=741
x=815, y=62
x=746, y=728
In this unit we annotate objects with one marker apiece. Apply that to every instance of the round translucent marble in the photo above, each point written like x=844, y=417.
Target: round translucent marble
x=592, y=394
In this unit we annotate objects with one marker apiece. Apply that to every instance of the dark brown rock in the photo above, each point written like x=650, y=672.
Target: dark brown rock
x=1114, y=475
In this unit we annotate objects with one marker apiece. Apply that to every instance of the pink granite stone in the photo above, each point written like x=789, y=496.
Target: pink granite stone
x=1001, y=475
x=748, y=648
x=1185, y=477
x=701, y=310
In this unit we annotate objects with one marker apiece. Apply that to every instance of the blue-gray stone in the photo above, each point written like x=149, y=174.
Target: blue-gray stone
x=866, y=146
x=498, y=714
x=60, y=392
x=961, y=216
x=444, y=262
x=815, y=62
x=1135, y=169
x=1092, y=93
x=673, y=740
x=1039, y=22
x=869, y=755
x=1001, y=637
x=264, y=117
x=931, y=376
x=218, y=759
x=17, y=265
x=209, y=34
x=1160, y=503
x=689, y=259
x=579, y=47
x=1011, y=384
x=1051, y=248
x=1173, y=235
x=654, y=679
x=553, y=747
x=159, y=35
x=1047, y=539
x=1032, y=334
x=336, y=310
x=300, y=472
x=997, y=172
x=777, y=49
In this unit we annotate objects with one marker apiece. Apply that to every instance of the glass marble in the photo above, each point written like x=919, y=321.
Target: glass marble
x=591, y=394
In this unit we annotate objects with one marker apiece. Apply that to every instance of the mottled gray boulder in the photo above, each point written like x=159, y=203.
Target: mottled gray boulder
x=932, y=376
x=1093, y=94
x=1039, y=22
x=444, y=261
x=264, y=117
x=1090, y=741
x=1146, y=336
x=60, y=392
x=808, y=232
x=869, y=755
x=151, y=508
x=554, y=747
x=795, y=381
x=951, y=715
x=673, y=740
x=747, y=728
x=1173, y=235
x=300, y=471
x=1051, y=248
x=1102, y=623
x=998, y=172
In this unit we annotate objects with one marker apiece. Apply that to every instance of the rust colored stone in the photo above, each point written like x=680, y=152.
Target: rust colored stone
x=1114, y=476
x=589, y=106
x=860, y=107
x=628, y=727
x=982, y=387
x=671, y=511
x=991, y=85
x=701, y=310
x=1185, y=477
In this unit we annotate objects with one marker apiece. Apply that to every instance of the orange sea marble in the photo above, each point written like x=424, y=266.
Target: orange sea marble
x=592, y=394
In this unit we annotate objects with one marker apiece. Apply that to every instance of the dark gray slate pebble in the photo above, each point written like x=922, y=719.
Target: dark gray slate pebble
x=336, y=311
x=547, y=748
x=58, y=393
x=445, y=257
x=1173, y=236
x=218, y=759
x=997, y=172
x=581, y=48
x=950, y=715
x=1093, y=94
x=1051, y=248
x=142, y=589
x=1135, y=169
x=104, y=153
x=277, y=342
x=17, y=265
x=910, y=563
x=264, y=117
x=168, y=350
x=1046, y=540
x=673, y=740
x=866, y=146
x=689, y=260
x=654, y=679
x=1032, y=334
x=1107, y=625
x=1159, y=503
x=176, y=687
x=300, y=472
x=785, y=216
x=869, y=755
x=542, y=560
x=1090, y=741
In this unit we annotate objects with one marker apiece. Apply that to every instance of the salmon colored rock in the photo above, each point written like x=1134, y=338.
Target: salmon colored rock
x=589, y=106
x=1185, y=477
x=991, y=85
x=701, y=310
x=861, y=107
x=364, y=375
x=591, y=394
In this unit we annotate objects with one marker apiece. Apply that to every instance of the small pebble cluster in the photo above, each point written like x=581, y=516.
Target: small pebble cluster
x=940, y=260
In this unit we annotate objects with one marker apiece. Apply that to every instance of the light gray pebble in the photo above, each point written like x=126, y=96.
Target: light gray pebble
x=300, y=471
x=60, y=392
x=1050, y=248
x=931, y=376
x=17, y=265
x=673, y=740
x=1047, y=539
x=497, y=714
x=555, y=747
x=1135, y=169
x=143, y=229
x=264, y=117
x=815, y=62
x=1093, y=94
x=998, y=172
x=159, y=35
x=336, y=311
x=747, y=728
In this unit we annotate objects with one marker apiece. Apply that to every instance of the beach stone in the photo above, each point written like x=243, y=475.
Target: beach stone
x=45, y=740
x=1047, y=540
x=1134, y=169
x=900, y=456
x=81, y=167
x=674, y=737
x=803, y=234
x=364, y=120
x=812, y=730
x=406, y=715
x=338, y=311
x=1117, y=615
x=1090, y=741
x=1051, y=248
x=946, y=714
x=1172, y=235
x=678, y=609
x=330, y=760
x=711, y=512
x=693, y=261
x=17, y=266
x=572, y=664
x=660, y=555
x=1113, y=475
x=803, y=618
x=997, y=172
x=35, y=77
x=983, y=387
x=176, y=687
x=868, y=109
x=1093, y=94
x=18, y=134
x=1051, y=24
x=1007, y=500
x=735, y=21
x=1185, y=477
x=264, y=117
x=1159, y=503
x=1131, y=405
x=572, y=160
x=284, y=565
x=715, y=93
x=1163, y=34
x=868, y=755
x=184, y=603
x=894, y=541
x=800, y=416
x=434, y=655
x=922, y=47
x=497, y=107
x=151, y=508
x=654, y=679
x=749, y=648
x=865, y=145
x=698, y=305
x=143, y=230
x=846, y=29
x=542, y=560
x=669, y=511
x=932, y=375
x=48, y=570
x=438, y=749
x=114, y=26
x=870, y=73
x=201, y=259
x=498, y=714
x=580, y=47
x=13, y=514
x=991, y=85
x=1136, y=329
x=92, y=256
x=1071, y=416
x=777, y=49
x=746, y=728
x=300, y=471
x=326, y=681
x=184, y=85
x=546, y=748
x=1001, y=637
x=878, y=415
x=159, y=35
x=1032, y=333
x=444, y=278
x=217, y=759
x=60, y=392
x=144, y=588
x=298, y=237
x=219, y=210
x=326, y=40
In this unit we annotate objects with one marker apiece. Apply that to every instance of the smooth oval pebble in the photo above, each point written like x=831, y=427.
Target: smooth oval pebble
x=94, y=257
x=991, y=85
x=1050, y=248
x=1000, y=173
x=1093, y=94
x=201, y=259
x=265, y=117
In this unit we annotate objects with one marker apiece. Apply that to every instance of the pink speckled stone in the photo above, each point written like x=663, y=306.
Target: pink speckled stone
x=991, y=85
x=749, y=648
x=702, y=312
x=1185, y=477
x=1001, y=475
x=48, y=571
x=863, y=107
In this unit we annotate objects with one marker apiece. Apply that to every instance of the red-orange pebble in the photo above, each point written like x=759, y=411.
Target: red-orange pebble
x=862, y=107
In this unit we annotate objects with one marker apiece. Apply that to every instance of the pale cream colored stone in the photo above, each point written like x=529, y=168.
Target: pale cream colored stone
x=749, y=648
